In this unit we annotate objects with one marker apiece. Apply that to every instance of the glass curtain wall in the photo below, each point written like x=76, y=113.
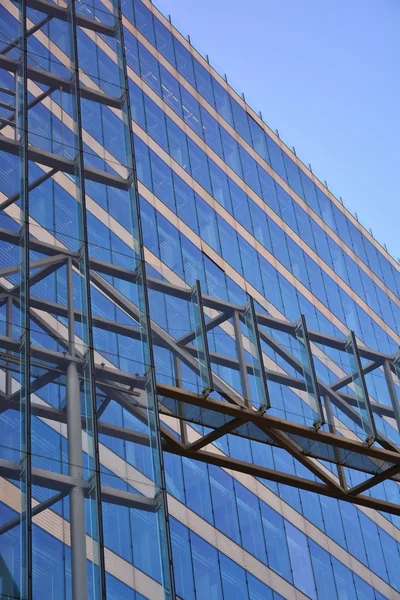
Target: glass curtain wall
x=61, y=275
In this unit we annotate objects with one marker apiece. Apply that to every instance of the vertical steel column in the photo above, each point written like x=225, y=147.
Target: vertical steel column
x=88, y=368
x=241, y=358
x=76, y=495
x=75, y=463
x=25, y=424
x=144, y=310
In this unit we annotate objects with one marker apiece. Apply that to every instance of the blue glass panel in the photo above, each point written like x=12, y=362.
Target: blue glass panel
x=323, y=573
x=144, y=21
x=249, y=168
x=391, y=554
x=149, y=69
x=184, y=62
x=191, y=111
x=250, y=522
x=259, y=225
x=164, y=42
x=137, y=104
x=199, y=166
x=293, y=173
x=233, y=579
x=240, y=206
x=145, y=541
x=220, y=188
x=332, y=519
x=258, y=138
x=206, y=569
x=275, y=538
x=222, y=102
x=231, y=152
x=116, y=590
x=250, y=264
x=132, y=52
x=142, y=162
x=224, y=505
x=170, y=249
x=241, y=122
x=229, y=244
x=275, y=154
x=155, y=121
x=177, y=144
x=211, y=131
x=208, y=224
x=181, y=552
x=170, y=89
x=203, y=82
x=373, y=546
x=352, y=529
x=148, y=216
x=258, y=590
x=363, y=589
x=162, y=181
x=185, y=203
x=344, y=581
x=197, y=487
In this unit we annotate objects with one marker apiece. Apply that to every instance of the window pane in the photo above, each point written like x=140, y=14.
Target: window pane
x=181, y=553
x=206, y=569
x=233, y=579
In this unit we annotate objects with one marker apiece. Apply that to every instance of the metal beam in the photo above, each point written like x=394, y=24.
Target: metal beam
x=29, y=32
x=211, y=324
x=347, y=379
x=63, y=164
x=35, y=511
x=61, y=13
x=284, y=478
x=57, y=82
x=6, y=203
x=387, y=457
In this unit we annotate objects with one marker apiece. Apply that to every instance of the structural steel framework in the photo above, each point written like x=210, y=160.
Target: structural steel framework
x=49, y=343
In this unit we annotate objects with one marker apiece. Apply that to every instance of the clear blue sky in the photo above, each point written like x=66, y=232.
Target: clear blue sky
x=326, y=74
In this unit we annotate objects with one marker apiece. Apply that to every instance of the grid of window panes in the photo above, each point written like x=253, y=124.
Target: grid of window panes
x=222, y=203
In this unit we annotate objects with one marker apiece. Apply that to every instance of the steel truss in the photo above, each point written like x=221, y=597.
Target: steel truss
x=231, y=413
x=211, y=402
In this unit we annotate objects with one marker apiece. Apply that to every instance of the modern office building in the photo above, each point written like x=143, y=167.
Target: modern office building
x=199, y=378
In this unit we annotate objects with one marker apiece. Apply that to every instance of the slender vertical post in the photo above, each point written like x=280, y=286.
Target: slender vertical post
x=9, y=329
x=250, y=319
x=309, y=373
x=99, y=582
x=75, y=463
x=392, y=391
x=144, y=311
x=25, y=424
x=332, y=429
x=203, y=355
x=360, y=387
x=181, y=405
x=76, y=495
x=241, y=357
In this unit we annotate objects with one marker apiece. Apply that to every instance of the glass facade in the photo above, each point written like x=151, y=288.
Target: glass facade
x=199, y=368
